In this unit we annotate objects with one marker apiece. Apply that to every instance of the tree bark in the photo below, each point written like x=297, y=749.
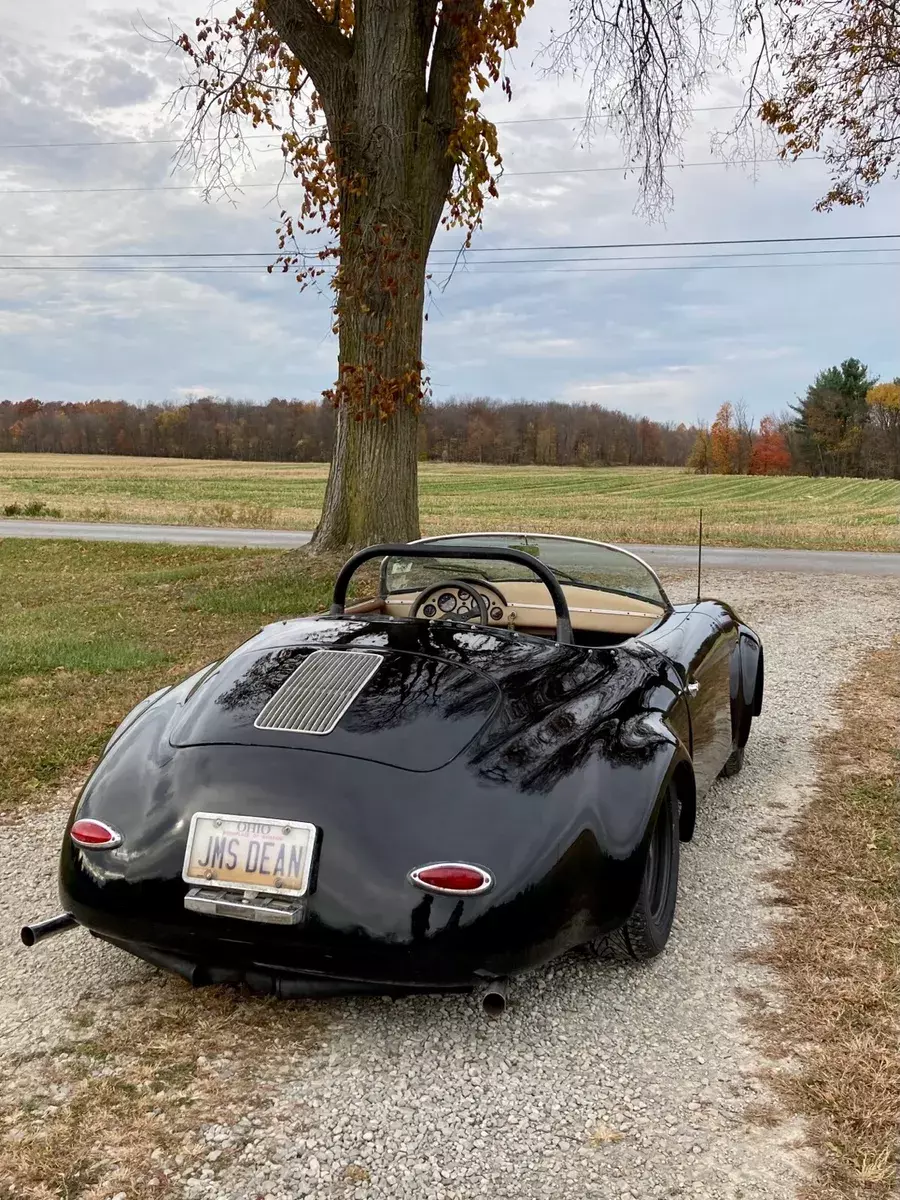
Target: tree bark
x=372, y=491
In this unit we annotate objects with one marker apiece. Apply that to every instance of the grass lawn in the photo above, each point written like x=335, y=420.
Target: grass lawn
x=611, y=504
x=88, y=629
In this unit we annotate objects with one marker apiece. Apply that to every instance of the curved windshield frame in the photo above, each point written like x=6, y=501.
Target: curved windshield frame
x=577, y=562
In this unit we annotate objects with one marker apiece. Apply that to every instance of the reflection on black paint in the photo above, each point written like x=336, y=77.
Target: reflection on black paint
x=560, y=722
x=557, y=706
x=420, y=918
x=262, y=679
x=455, y=917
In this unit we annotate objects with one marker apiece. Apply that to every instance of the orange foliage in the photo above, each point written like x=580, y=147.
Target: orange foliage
x=770, y=452
x=724, y=442
x=835, y=92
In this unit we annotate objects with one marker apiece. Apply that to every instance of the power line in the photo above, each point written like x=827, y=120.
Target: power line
x=310, y=129
x=725, y=162
x=513, y=262
x=694, y=267
x=770, y=241
x=268, y=254
x=280, y=183
x=552, y=270
x=651, y=257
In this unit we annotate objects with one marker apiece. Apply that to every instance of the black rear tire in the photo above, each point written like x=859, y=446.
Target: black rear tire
x=645, y=933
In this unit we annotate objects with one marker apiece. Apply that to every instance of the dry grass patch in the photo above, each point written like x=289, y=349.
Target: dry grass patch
x=117, y=1108
x=638, y=504
x=837, y=950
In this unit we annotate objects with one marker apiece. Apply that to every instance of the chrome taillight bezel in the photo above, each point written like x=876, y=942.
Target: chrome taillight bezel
x=487, y=879
x=115, y=838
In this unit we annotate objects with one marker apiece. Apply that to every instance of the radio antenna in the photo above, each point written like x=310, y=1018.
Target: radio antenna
x=700, y=556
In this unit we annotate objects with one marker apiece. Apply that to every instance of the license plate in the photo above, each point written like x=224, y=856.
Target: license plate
x=250, y=854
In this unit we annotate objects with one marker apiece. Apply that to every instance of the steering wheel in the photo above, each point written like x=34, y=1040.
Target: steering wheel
x=456, y=599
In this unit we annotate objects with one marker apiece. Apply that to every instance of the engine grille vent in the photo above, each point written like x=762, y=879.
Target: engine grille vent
x=319, y=692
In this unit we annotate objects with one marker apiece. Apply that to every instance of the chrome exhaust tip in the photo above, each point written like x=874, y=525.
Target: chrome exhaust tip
x=494, y=999
x=32, y=934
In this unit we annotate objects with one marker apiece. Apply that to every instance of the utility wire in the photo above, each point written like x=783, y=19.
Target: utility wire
x=268, y=254
x=276, y=184
x=310, y=129
x=650, y=257
x=553, y=270
x=511, y=262
x=693, y=267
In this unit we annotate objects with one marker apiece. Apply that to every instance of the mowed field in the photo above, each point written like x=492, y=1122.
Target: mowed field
x=655, y=505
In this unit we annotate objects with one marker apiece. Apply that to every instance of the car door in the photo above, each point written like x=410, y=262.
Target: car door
x=699, y=639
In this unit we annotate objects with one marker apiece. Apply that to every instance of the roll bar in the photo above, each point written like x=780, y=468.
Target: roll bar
x=488, y=553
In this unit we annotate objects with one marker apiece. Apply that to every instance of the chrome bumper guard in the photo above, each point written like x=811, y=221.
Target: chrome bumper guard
x=245, y=906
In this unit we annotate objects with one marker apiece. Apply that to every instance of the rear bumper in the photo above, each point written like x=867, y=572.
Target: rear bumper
x=268, y=980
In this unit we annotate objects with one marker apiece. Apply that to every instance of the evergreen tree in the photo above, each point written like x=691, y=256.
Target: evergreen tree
x=831, y=419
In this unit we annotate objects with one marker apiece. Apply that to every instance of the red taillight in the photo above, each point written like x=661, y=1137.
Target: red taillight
x=460, y=879
x=94, y=835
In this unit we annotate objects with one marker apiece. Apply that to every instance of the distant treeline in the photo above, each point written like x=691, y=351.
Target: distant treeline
x=458, y=430
x=847, y=423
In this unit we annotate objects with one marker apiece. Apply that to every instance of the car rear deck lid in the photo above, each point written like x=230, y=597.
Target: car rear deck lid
x=315, y=697
x=416, y=711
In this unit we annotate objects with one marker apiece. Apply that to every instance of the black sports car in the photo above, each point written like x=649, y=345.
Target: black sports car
x=490, y=762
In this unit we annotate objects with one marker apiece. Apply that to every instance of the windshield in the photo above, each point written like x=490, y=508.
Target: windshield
x=574, y=561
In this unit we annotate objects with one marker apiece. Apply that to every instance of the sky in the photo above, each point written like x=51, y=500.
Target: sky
x=669, y=344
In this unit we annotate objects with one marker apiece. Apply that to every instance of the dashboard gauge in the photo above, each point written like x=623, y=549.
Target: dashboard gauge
x=429, y=610
x=496, y=614
x=447, y=602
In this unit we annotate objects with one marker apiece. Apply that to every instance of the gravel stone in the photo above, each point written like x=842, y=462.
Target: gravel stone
x=598, y=1081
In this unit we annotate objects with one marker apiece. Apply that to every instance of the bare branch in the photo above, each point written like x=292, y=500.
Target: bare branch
x=643, y=61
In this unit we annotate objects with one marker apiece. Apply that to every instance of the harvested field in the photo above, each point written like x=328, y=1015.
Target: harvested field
x=651, y=505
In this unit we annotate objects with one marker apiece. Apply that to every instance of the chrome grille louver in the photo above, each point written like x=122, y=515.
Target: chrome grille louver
x=319, y=692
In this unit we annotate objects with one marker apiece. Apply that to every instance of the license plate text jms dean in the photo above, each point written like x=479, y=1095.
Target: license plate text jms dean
x=249, y=854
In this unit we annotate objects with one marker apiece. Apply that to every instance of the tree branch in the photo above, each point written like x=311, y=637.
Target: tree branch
x=444, y=61
x=317, y=43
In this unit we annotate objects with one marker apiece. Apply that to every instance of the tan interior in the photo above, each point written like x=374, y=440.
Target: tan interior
x=529, y=608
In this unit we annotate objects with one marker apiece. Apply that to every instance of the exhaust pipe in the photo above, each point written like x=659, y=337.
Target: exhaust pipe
x=32, y=934
x=494, y=998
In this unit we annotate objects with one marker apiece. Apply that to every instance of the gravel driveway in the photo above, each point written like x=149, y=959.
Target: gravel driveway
x=599, y=1081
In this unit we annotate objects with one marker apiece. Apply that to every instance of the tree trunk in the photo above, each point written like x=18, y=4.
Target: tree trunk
x=372, y=491
x=390, y=121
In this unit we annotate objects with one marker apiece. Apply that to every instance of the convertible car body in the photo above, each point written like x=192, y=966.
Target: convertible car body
x=490, y=762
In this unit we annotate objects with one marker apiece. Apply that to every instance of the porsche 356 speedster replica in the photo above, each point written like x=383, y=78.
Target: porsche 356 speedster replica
x=490, y=762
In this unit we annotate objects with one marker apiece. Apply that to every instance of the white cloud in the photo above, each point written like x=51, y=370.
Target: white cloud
x=679, y=392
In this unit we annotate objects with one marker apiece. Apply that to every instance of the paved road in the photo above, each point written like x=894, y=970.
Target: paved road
x=816, y=561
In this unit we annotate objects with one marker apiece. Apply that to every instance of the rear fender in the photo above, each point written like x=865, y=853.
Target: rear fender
x=667, y=764
x=630, y=795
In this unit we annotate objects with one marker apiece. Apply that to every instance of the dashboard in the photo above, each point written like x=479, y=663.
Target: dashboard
x=526, y=605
